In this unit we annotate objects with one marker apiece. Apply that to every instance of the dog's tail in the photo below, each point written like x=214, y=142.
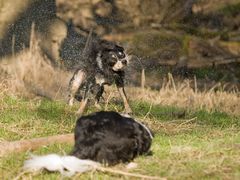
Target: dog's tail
x=66, y=165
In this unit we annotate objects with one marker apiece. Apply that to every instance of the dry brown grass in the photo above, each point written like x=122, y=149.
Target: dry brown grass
x=184, y=96
x=30, y=73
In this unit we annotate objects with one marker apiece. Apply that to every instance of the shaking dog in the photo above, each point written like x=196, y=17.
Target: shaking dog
x=102, y=64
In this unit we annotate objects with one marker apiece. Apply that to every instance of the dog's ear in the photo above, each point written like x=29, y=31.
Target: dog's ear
x=106, y=45
x=119, y=48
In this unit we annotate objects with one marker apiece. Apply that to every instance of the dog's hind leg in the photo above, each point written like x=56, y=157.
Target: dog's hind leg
x=82, y=107
x=100, y=90
x=74, y=84
x=84, y=100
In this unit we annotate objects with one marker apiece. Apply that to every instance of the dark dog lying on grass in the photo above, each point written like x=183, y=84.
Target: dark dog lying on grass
x=103, y=137
x=102, y=64
x=108, y=137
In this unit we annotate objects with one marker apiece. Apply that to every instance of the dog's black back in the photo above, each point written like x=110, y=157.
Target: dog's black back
x=109, y=138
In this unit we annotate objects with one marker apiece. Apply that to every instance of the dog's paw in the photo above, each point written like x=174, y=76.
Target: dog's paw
x=97, y=105
x=70, y=102
x=79, y=113
x=128, y=111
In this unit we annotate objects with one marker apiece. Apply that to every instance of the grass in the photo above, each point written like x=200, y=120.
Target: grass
x=168, y=113
x=231, y=10
x=188, y=144
x=186, y=95
x=196, y=133
x=28, y=119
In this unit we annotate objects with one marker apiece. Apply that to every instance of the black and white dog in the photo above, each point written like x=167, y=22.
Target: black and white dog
x=110, y=138
x=102, y=64
x=100, y=138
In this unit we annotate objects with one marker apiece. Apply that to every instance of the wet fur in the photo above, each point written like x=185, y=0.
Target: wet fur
x=102, y=137
x=110, y=138
x=102, y=64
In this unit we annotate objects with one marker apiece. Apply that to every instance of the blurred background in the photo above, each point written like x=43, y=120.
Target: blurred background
x=198, y=40
x=183, y=80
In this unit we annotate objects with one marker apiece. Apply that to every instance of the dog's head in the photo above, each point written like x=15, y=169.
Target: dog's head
x=113, y=56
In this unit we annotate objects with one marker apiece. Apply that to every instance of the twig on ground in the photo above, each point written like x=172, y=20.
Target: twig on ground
x=23, y=145
x=149, y=111
x=122, y=173
x=187, y=121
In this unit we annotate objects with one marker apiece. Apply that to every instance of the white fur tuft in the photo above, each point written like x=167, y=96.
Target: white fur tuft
x=66, y=165
x=145, y=127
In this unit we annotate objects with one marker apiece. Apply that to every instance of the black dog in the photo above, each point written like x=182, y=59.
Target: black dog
x=102, y=63
x=108, y=137
x=100, y=138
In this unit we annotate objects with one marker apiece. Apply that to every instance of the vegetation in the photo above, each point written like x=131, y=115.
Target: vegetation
x=155, y=43
x=187, y=144
x=195, y=121
x=231, y=10
x=196, y=133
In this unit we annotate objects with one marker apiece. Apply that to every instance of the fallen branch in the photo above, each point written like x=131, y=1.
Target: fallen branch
x=113, y=171
x=31, y=144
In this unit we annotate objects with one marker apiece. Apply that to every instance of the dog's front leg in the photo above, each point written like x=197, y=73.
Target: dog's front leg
x=122, y=93
x=74, y=84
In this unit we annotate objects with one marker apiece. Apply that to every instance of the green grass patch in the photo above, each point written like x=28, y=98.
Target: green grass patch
x=206, y=148
x=168, y=113
x=208, y=72
x=231, y=10
x=21, y=118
